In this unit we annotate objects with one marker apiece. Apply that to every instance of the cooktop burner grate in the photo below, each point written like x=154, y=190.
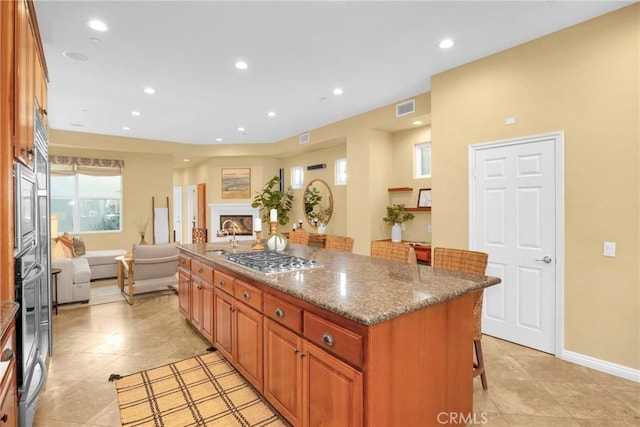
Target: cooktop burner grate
x=269, y=262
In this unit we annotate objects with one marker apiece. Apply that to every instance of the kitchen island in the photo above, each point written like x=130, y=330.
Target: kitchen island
x=353, y=341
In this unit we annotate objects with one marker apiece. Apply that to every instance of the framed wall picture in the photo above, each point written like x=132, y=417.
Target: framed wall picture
x=236, y=183
x=424, y=198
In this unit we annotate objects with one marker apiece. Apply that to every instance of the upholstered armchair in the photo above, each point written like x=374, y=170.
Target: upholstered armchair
x=151, y=268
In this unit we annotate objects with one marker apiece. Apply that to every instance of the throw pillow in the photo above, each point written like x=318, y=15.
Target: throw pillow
x=59, y=250
x=67, y=242
x=78, y=246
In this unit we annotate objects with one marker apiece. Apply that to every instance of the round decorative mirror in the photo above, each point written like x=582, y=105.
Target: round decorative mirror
x=317, y=203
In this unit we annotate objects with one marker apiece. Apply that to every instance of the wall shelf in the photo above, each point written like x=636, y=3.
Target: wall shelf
x=394, y=189
x=427, y=209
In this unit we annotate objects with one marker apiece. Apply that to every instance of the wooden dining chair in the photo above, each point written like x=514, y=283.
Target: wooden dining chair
x=386, y=249
x=339, y=243
x=199, y=235
x=472, y=262
x=299, y=237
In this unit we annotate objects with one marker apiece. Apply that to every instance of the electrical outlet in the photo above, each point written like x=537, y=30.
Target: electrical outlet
x=610, y=249
x=429, y=228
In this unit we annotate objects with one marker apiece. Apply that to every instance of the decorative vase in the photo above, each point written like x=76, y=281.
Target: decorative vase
x=142, y=241
x=322, y=228
x=277, y=242
x=396, y=233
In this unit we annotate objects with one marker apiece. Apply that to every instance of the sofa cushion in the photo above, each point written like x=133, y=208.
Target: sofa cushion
x=107, y=256
x=81, y=270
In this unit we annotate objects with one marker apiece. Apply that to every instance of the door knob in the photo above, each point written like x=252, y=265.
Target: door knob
x=546, y=259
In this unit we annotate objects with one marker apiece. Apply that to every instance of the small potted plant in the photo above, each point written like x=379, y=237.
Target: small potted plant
x=269, y=198
x=396, y=215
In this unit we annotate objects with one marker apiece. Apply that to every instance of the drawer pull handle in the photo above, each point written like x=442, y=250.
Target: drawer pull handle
x=279, y=313
x=4, y=418
x=328, y=339
x=200, y=270
x=246, y=295
x=221, y=282
x=6, y=355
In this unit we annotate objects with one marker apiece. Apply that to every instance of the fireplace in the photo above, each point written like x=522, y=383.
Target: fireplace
x=244, y=224
x=241, y=213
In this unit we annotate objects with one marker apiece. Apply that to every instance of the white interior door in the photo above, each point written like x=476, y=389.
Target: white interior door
x=192, y=208
x=177, y=213
x=515, y=217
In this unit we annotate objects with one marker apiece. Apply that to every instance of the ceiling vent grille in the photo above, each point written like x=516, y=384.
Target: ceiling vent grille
x=404, y=108
x=304, y=138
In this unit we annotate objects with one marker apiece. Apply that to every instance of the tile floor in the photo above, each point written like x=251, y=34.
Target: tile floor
x=526, y=387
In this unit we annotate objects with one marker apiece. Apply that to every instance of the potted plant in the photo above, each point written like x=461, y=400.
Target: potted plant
x=396, y=215
x=269, y=198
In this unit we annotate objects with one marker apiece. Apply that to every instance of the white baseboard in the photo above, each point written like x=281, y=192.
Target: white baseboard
x=602, y=365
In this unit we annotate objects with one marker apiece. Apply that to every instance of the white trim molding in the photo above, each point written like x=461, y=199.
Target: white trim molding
x=601, y=365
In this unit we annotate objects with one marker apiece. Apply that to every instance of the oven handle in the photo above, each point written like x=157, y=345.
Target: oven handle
x=43, y=378
x=41, y=272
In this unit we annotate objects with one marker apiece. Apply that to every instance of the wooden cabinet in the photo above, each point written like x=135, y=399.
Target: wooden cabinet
x=8, y=386
x=195, y=294
x=238, y=335
x=30, y=83
x=308, y=385
x=184, y=292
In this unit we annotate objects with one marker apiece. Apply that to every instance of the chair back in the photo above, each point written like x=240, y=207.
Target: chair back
x=199, y=235
x=386, y=249
x=339, y=243
x=472, y=262
x=155, y=261
x=299, y=237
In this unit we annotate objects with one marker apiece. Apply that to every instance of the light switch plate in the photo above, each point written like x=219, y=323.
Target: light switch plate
x=610, y=249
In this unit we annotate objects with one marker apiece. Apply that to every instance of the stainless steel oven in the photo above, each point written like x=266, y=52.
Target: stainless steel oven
x=25, y=208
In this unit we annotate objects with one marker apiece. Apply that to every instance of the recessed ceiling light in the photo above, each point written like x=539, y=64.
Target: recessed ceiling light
x=240, y=129
x=219, y=139
x=338, y=91
x=135, y=113
x=271, y=114
x=126, y=128
x=417, y=122
x=77, y=56
x=185, y=160
x=149, y=90
x=97, y=25
x=446, y=44
x=241, y=65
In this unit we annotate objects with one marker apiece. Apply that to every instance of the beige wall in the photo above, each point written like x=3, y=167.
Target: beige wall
x=145, y=176
x=583, y=81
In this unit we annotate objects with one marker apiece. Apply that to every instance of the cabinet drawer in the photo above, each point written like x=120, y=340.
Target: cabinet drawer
x=7, y=350
x=223, y=281
x=333, y=338
x=184, y=262
x=248, y=294
x=202, y=270
x=283, y=313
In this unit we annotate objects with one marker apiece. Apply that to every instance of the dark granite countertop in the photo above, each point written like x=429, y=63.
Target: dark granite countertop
x=364, y=289
x=8, y=310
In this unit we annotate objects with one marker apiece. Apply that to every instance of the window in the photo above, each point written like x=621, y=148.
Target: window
x=297, y=176
x=423, y=160
x=341, y=171
x=86, y=194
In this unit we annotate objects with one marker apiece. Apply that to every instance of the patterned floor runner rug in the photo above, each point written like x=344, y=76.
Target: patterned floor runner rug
x=201, y=391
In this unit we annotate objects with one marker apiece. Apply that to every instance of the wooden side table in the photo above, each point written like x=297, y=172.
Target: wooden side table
x=54, y=274
x=125, y=264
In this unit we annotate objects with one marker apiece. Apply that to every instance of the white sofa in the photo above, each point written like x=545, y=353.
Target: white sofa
x=74, y=279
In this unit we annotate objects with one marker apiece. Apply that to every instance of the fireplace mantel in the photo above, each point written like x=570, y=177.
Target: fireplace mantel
x=226, y=209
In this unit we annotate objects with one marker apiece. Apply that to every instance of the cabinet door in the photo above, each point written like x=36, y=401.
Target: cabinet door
x=283, y=371
x=206, y=326
x=184, y=290
x=8, y=402
x=196, y=301
x=24, y=85
x=248, y=343
x=223, y=324
x=40, y=83
x=332, y=390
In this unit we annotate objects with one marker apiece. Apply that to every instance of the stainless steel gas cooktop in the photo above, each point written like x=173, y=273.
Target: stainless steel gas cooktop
x=269, y=262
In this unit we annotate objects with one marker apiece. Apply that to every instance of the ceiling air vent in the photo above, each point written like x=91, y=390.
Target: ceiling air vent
x=304, y=138
x=404, y=108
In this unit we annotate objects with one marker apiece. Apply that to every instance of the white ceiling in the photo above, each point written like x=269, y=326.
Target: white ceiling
x=297, y=52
